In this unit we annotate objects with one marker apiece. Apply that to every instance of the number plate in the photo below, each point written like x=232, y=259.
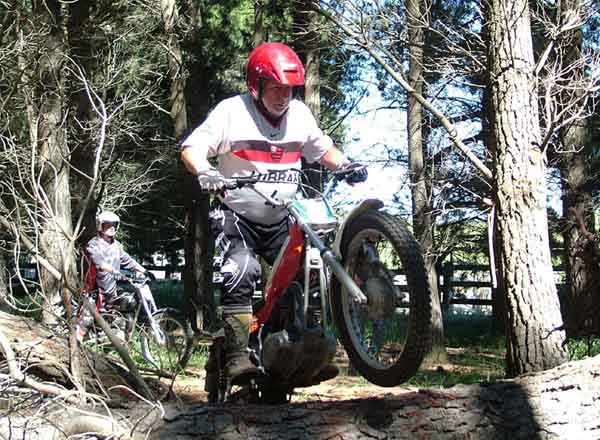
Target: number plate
x=315, y=212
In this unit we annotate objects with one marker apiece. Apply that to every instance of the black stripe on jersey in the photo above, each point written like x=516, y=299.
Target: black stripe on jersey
x=260, y=145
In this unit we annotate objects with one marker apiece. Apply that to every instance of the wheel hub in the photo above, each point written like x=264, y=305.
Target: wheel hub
x=381, y=298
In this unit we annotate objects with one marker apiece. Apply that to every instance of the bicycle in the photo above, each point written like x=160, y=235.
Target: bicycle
x=159, y=336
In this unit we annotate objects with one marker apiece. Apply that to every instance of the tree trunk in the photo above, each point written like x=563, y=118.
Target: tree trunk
x=487, y=125
x=46, y=356
x=575, y=177
x=307, y=39
x=176, y=71
x=580, y=273
x=85, y=124
x=54, y=195
x=533, y=343
x=259, y=26
x=423, y=221
x=498, y=293
x=555, y=404
x=199, y=249
x=197, y=274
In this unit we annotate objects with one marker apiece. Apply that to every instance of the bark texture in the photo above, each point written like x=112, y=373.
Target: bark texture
x=423, y=220
x=46, y=356
x=198, y=244
x=259, y=29
x=562, y=403
x=176, y=71
x=54, y=194
x=307, y=41
x=84, y=122
x=533, y=312
x=581, y=272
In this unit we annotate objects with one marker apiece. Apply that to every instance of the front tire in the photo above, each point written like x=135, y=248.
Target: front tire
x=172, y=353
x=387, y=339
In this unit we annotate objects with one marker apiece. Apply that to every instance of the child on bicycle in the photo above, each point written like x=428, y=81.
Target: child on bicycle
x=106, y=257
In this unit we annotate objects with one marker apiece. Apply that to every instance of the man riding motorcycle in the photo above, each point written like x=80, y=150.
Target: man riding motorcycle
x=265, y=132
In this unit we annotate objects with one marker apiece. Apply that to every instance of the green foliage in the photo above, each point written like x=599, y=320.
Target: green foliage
x=198, y=358
x=471, y=329
x=168, y=293
x=475, y=352
x=582, y=348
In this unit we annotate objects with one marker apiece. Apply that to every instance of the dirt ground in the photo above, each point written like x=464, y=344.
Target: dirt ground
x=191, y=390
x=140, y=417
x=346, y=386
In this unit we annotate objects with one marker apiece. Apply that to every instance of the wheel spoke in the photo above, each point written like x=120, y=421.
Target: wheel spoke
x=387, y=338
x=169, y=351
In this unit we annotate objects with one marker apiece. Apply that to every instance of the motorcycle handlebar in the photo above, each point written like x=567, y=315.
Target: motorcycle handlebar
x=341, y=174
x=239, y=182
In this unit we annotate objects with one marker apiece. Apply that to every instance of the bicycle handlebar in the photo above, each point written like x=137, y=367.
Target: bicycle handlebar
x=132, y=279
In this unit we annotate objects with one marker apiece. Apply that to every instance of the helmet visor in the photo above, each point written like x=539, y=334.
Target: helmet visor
x=107, y=225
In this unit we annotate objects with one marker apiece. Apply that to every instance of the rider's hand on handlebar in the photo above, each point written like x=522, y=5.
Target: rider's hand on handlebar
x=211, y=180
x=118, y=276
x=354, y=172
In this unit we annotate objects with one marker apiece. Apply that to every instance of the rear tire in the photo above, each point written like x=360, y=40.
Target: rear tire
x=385, y=343
x=173, y=355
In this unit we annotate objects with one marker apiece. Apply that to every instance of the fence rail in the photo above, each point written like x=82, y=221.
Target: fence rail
x=447, y=281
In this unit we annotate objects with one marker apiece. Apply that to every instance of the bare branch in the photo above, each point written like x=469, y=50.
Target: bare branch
x=377, y=52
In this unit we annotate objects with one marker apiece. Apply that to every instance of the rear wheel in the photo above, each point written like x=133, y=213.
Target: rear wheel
x=167, y=346
x=387, y=339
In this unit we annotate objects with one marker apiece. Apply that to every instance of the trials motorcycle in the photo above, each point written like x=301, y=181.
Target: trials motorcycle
x=361, y=280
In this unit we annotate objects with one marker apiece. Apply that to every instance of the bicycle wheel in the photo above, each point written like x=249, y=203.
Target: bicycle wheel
x=387, y=338
x=167, y=345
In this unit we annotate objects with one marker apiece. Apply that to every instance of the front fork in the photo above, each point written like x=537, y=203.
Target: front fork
x=330, y=259
x=313, y=261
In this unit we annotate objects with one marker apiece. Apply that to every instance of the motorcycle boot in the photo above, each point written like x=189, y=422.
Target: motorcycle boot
x=238, y=367
x=328, y=372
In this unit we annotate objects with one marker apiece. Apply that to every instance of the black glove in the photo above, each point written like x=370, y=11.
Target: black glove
x=354, y=172
x=211, y=180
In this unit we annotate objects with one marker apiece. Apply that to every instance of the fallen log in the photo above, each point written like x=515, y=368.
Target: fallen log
x=44, y=354
x=562, y=403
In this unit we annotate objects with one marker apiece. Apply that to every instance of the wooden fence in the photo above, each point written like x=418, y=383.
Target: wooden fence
x=448, y=281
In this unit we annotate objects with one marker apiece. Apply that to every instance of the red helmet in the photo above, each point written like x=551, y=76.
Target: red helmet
x=274, y=61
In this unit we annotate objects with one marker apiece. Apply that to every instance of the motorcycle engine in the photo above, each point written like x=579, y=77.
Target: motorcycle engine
x=295, y=358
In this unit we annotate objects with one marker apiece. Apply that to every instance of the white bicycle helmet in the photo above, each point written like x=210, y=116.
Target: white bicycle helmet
x=107, y=217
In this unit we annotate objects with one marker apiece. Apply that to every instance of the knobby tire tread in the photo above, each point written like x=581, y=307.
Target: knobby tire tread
x=419, y=337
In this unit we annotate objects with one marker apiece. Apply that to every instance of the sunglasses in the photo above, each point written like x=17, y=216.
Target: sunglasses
x=110, y=224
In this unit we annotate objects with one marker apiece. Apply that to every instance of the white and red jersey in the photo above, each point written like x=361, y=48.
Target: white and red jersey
x=245, y=142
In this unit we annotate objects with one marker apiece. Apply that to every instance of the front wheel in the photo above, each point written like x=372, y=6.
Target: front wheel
x=386, y=339
x=166, y=345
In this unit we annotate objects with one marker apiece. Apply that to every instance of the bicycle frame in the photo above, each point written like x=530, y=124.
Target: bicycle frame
x=145, y=304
